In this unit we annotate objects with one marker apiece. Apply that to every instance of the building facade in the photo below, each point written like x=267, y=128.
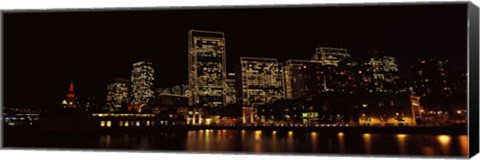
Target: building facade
x=431, y=82
x=379, y=74
x=330, y=56
x=262, y=81
x=117, y=94
x=207, y=68
x=141, y=84
x=231, y=91
x=303, y=77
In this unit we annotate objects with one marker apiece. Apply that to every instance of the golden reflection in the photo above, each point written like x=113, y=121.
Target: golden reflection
x=401, y=138
x=258, y=144
x=341, y=142
x=444, y=141
x=367, y=142
x=274, y=142
x=290, y=142
x=314, y=141
x=258, y=135
x=463, y=140
x=208, y=140
x=290, y=134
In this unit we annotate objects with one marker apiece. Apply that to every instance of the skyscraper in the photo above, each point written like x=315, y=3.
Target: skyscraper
x=262, y=81
x=379, y=74
x=303, y=77
x=330, y=56
x=207, y=68
x=431, y=82
x=141, y=83
x=117, y=94
x=231, y=94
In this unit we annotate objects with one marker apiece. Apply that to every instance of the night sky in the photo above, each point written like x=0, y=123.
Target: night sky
x=45, y=50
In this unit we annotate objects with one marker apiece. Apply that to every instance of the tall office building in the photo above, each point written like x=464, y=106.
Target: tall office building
x=431, y=82
x=231, y=94
x=303, y=77
x=207, y=68
x=262, y=81
x=141, y=83
x=117, y=94
x=379, y=74
x=330, y=56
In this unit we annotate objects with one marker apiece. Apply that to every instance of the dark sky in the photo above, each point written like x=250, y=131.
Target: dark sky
x=45, y=50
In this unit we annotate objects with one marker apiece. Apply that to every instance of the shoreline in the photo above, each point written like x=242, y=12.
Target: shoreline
x=451, y=129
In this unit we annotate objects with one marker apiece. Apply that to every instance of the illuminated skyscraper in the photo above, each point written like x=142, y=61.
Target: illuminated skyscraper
x=141, y=83
x=231, y=94
x=207, y=68
x=117, y=94
x=262, y=81
x=330, y=56
x=379, y=74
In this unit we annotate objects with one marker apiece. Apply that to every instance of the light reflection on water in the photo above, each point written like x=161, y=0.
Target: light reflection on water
x=258, y=141
x=368, y=142
x=401, y=138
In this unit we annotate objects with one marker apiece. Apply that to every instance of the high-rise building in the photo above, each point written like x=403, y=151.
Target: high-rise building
x=207, y=68
x=330, y=56
x=303, y=77
x=262, y=81
x=336, y=70
x=431, y=82
x=117, y=94
x=379, y=74
x=141, y=84
x=231, y=94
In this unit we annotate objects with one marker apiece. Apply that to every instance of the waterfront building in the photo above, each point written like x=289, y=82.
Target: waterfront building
x=431, y=82
x=117, y=94
x=141, y=84
x=379, y=74
x=231, y=91
x=262, y=81
x=338, y=109
x=309, y=77
x=206, y=68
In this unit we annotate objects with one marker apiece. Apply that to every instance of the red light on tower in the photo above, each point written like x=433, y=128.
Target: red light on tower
x=71, y=97
x=70, y=89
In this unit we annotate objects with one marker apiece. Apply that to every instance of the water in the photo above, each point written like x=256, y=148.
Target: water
x=257, y=142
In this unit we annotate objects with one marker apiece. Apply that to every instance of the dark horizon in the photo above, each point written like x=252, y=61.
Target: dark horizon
x=100, y=45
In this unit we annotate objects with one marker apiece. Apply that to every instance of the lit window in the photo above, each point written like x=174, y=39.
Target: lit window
x=102, y=123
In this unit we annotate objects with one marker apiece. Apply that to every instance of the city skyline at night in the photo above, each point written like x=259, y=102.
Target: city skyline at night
x=105, y=57
x=285, y=79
